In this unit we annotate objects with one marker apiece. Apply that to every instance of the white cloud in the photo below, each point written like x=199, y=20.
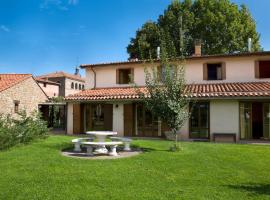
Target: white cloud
x=59, y=4
x=4, y=28
x=73, y=2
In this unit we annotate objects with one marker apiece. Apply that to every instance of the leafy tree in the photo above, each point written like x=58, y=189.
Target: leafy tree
x=222, y=26
x=165, y=95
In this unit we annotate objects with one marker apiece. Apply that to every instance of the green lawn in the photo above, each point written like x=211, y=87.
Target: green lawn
x=200, y=171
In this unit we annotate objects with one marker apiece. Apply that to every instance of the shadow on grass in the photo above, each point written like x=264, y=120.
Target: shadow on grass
x=259, y=189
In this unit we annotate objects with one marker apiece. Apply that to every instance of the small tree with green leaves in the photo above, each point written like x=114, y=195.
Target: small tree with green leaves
x=166, y=96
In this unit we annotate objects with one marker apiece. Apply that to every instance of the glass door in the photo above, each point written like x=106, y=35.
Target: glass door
x=199, y=121
x=147, y=123
x=246, y=120
x=266, y=120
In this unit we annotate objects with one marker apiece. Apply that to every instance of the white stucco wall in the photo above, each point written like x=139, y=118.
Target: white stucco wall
x=118, y=118
x=235, y=66
x=70, y=118
x=224, y=117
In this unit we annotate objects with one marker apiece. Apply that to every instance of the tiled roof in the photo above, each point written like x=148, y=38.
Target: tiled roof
x=44, y=80
x=9, y=80
x=62, y=74
x=213, y=90
x=136, y=61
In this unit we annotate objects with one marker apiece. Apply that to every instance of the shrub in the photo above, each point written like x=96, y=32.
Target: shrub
x=22, y=129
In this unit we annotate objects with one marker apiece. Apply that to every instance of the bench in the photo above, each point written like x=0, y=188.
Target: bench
x=91, y=145
x=77, y=143
x=224, y=137
x=126, y=142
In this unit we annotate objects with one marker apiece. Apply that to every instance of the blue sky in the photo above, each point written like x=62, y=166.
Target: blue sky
x=40, y=36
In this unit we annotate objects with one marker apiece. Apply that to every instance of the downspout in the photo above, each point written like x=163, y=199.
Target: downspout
x=95, y=75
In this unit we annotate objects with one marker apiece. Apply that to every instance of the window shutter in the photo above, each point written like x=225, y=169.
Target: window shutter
x=132, y=75
x=205, y=74
x=159, y=72
x=257, y=69
x=117, y=76
x=223, y=69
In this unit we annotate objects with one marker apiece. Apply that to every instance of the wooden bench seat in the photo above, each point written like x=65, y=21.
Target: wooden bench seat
x=125, y=140
x=224, y=137
x=91, y=145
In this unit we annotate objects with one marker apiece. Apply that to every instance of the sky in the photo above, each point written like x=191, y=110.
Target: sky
x=42, y=36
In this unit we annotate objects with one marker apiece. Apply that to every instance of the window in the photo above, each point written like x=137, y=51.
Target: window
x=44, y=85
x=262, y=69
x=214, y=71
x=72, y=85
x=80, y=86
x=124, y=76
x=199, y=120
x=76, y=86
x=161, y=70
x=16, y=106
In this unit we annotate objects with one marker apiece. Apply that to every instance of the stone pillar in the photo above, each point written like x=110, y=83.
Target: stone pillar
x=69, y=118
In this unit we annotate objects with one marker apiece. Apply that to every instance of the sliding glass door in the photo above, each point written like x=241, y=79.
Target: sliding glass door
x=246, y=120
x=266, y=120
x=199, y=121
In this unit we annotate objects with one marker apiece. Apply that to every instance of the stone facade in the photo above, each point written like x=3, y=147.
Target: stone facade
x=27, y=93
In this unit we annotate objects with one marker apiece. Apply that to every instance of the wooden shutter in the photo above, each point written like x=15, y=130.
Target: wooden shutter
x=76, y=118
x=132, y=75
x=108, y=117
x=205, y=72
x=128, y=119
x=223, y=70
x=159, y=73
x=257, y=69
x=117, y=76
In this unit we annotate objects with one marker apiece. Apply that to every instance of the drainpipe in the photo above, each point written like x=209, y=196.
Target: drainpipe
x=95, y=75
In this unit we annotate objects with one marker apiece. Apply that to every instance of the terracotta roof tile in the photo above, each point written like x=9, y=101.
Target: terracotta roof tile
x=136, y=61
x=213, y=90
x=61, y=74
x=9, y=80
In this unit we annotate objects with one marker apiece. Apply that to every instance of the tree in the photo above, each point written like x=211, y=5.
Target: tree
x=222, y=26
x=166, y=96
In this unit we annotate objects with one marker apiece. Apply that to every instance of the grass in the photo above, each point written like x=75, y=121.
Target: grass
x=200, y=171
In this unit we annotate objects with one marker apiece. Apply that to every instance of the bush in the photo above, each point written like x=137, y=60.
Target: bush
x=22, y=129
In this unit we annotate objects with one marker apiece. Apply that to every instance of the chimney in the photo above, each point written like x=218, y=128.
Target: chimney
x=158, y=52
x=249, y=45
x=198, y=48
x=77, y=71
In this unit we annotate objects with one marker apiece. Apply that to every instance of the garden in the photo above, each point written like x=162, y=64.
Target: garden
x=201, y=170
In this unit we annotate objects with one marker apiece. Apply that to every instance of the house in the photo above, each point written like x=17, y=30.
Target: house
x=232, y=94
x=49, y=87
x=69, y=83
x=20, y=92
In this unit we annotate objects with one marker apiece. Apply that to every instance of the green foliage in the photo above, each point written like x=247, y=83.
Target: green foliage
x=58, y=99
x=21, y=130
x=166, y=95
x=222, y=26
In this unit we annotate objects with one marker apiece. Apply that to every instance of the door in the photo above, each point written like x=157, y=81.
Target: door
x=128, y=119
x=147, y=123
x=257, y=120
x=98, y=117
x=246, y=120
x=266, y=120
x=199, y=120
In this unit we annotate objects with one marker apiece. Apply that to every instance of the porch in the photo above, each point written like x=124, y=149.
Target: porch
x=130, y=119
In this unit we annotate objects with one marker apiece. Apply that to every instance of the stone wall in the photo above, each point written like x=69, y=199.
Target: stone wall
x=27, y=92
